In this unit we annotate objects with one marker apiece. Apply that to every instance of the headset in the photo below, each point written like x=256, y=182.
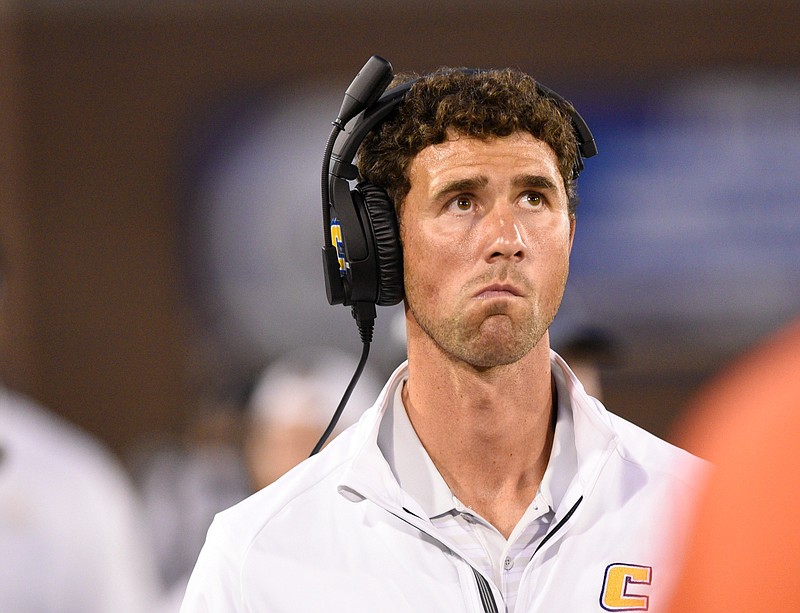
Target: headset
x=362, y=256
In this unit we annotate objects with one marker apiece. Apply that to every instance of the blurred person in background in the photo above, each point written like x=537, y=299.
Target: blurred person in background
x=289, y=407
x=744, y=552
x=483, y=478
x=185, y=482
x=72, y=534
x=292, y=405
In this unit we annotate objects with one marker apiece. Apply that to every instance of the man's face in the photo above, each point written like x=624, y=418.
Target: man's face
x=486, y=240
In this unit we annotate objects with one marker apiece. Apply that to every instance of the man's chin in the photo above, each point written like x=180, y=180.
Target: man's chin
x=498, y=344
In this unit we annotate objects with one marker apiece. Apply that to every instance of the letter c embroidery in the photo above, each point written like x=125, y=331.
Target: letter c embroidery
x=617, y=594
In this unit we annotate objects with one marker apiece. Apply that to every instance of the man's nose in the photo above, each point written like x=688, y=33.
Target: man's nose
x=504, y=234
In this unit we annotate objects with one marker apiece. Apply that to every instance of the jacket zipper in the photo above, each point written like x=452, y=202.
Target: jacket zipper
x=484, y=589
x=558, y=526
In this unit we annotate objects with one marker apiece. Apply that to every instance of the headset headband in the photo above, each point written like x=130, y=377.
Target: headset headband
x=345, y=151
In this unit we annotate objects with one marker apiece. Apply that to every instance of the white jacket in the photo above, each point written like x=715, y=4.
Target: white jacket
x=338, y=534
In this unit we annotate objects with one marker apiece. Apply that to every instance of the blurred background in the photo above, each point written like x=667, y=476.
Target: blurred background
x=160, y=235
x=159, y=200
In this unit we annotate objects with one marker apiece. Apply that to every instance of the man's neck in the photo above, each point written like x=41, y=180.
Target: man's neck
x=488, y=432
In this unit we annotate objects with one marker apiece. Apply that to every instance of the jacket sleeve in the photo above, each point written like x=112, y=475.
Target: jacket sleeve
x=215, y=583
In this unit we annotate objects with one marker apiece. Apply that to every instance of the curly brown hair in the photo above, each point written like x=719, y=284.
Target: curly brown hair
x=479, y=104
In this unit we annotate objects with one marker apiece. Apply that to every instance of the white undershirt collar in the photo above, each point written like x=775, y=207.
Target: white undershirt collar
x=419, y=478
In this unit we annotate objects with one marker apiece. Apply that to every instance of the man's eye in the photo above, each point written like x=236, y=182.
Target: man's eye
x=533, y=199
x=462, y=203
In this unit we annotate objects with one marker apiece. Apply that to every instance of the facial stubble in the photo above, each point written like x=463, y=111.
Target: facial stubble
x=493, y=334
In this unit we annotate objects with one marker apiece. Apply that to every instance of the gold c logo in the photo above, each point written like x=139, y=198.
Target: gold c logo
x=338, y=242
x=619, y=578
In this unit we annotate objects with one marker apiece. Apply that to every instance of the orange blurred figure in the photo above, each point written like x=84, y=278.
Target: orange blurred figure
x=744, y=552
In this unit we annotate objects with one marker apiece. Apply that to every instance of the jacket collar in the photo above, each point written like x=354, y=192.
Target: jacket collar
x=369, y=475
x=595, y=438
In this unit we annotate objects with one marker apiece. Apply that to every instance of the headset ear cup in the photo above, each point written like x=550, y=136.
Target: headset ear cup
x=388, y=249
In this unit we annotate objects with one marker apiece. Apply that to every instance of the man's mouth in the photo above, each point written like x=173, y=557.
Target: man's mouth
x=498, y=290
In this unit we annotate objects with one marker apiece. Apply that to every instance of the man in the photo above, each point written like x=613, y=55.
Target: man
x=292, y=402
x=71, y=527
x=484, y=478
x=72, y=534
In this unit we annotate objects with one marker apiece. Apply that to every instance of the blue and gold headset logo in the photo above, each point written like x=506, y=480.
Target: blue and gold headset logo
x=338, y=242
x=619, y=585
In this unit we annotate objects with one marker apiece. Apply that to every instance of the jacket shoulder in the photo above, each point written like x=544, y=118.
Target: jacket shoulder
x=640, y=448
x=314, y=477
x=216, y=582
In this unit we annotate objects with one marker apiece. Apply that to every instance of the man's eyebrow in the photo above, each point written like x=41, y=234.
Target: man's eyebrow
x=462, y=185
x=534, y=181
